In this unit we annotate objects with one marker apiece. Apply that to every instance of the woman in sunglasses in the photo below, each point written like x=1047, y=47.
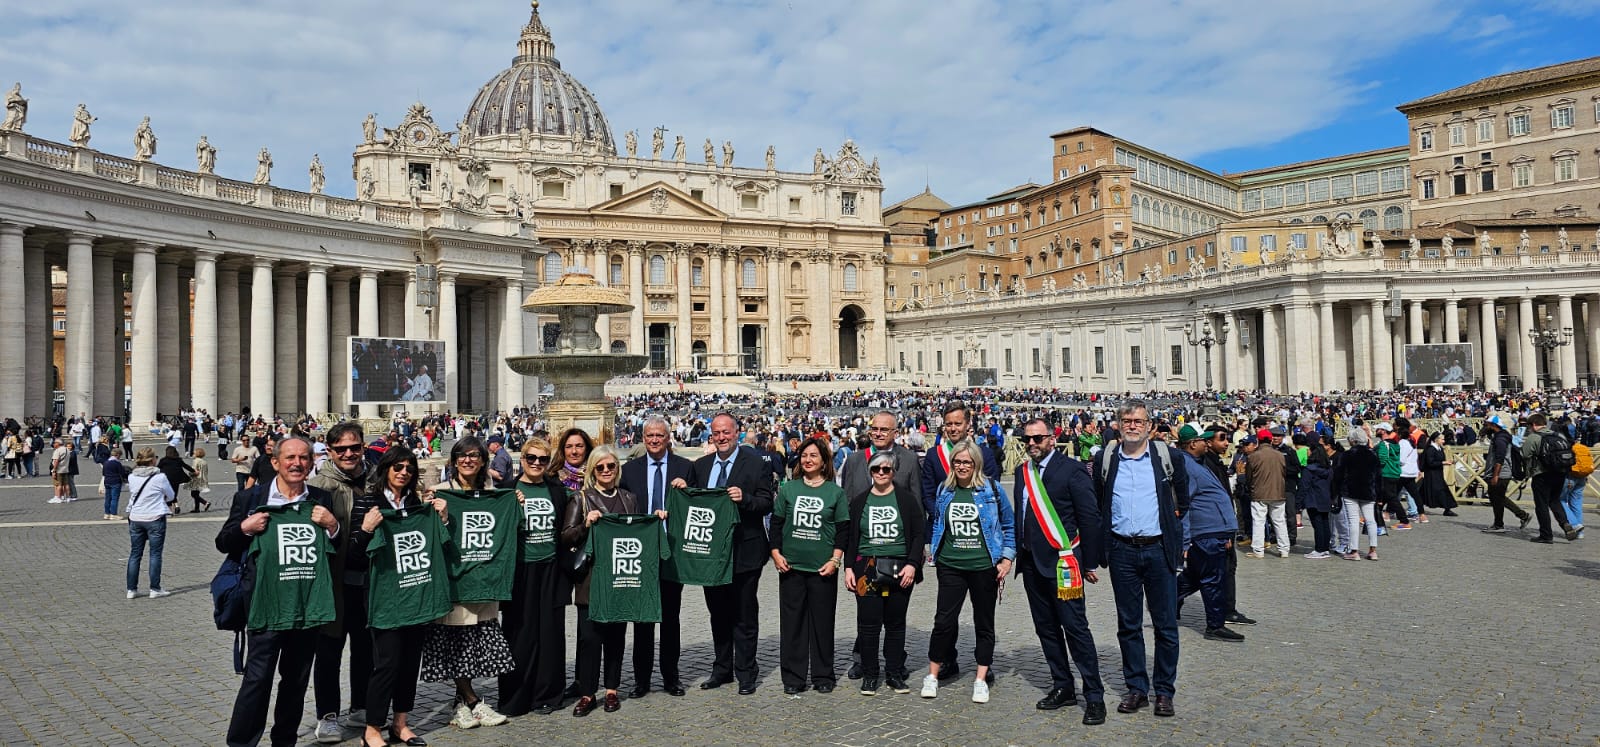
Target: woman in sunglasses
x=600, y=495
x=535, y=618
x=885, y=551
x=974, y=542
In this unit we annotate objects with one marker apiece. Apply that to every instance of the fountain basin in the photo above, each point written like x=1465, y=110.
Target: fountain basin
x=578, y=376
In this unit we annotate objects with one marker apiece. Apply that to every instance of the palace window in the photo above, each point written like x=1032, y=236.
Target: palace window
x=747, y=274
x=1100, y=360
x=658, y=270
x=1394, y=179
x=1294, y=194
x=1394, y=218
x=1517, y=124
x=1561, y=117
x=1367, y=183
x=1239, y=243
x=1458, y=134
x=1486, y=180
x=552, y=267
x=1341, y=186
x=422, y=172
x=1066, y=360
x=1459, y=183
x=1522, y=175
x=847, y=203
x=1428, y=192
x=615, y=191
x=697, y=273
x=1425, y=140
x=1485, y=130
x=1135, y=361
x=1317, y=190
x=554, y=189
x=1369, y=219
x=851, y=282
x=749, y=202
x=1566, y=168
x=1008, y=360
x=1177, y=360
x=616, y=271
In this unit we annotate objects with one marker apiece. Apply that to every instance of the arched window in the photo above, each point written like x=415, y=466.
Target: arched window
x=697, y=273
x=1394, y=218
x=658, y=270
x=1320, y=219
x=797, y=276
x=552, y=267
x=1027, y=265
x=616, y=271
x=1369, y=219
x=851, y=282
x=747, y=274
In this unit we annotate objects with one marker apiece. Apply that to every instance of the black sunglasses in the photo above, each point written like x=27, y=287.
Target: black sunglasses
x=882, y=470
x=346, y=449
x=1037, y=438
x=536, y=458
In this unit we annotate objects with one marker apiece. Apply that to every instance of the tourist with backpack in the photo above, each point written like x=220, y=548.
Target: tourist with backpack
x=1577, y=478
x=1499, y=471
x=1548, y=455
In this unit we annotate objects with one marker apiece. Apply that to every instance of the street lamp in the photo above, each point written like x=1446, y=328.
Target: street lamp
x=1548, y=337
x=1204, y=337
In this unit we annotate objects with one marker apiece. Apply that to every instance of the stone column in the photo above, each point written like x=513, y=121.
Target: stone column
x=185, y=338
x=228, y=356
x=1436, y=325
x=203, y=361
x=146, y=336
x=168, y=308
x=1296, y=336
x=119, y=339
x=1591, y=328
x=448, y=333
x=718, y=310
x=286, y=351
x=1328, y=380
x=410, y=312
x=39, y=336
x=1270, y=355
x=1568, y=353
x=823, y=329
x=683, y=336
x=1529, y=356
x=106, y=354
x=1361, y=344
x=391, y=302
x=602, y=326
x=637, y=340
x=494, y=321
x=317, y=334
x=1475, y=337
x=511, y=344
x=367, y=321
x=730, y=306
x=1512, y=339
x=1416, y=335
x=14, y=371
x=262, y=332
x=1452, y=321
x=1382, y=349
x=79, y=373
x=339, y=341
x=773, y=356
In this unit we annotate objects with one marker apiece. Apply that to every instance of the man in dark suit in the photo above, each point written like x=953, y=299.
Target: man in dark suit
x=957, y=427
x=735, y=610
x=289, y=652
x=1061, y=624
x=647, y=476
x=1143, y=492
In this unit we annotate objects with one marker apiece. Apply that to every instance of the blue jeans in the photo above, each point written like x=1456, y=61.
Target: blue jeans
x=113, y=494
x=1140, y=576
x=139, y=532
x=1572, y=499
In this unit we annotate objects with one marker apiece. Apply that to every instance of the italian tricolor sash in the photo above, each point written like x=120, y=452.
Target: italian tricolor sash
x=867, y=454
x=944, y=455
x=1069, y=579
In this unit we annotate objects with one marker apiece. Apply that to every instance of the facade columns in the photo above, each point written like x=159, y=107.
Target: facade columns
x=1362, y=346
x=1529, y=356
x=448, y=333
x=824, y=329
x=168, y=309
x=339, y=341
x=15, y=373
x=367, y=321
x=262, y=392
x=146, y=340
x=409, y=313
x=203, y=360
x=107, y=312
x=317, y=334
x=1415, y=337
x=79, y=374
x=1452, y=321
x=1475, y=338
x=1382, y=349
x=1591, y=330
x=1568, y=353
x=1436, y=326
x=228, y=354
x=1297, y=347
x=1513, y=342
x=1325, y=345
x=1271, y=354
x=287, y=348
x=718, y=311
x=511, y=394
x=730, y=305
x=774, y=342
x=683, y=336
x=636, y=335
x=38, y=333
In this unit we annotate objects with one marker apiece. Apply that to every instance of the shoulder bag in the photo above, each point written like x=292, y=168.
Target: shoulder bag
x=575, y=561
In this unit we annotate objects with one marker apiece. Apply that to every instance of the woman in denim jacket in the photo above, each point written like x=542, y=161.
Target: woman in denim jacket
x=974, y=545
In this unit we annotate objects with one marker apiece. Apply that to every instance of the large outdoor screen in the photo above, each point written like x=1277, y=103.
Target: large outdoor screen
x=1439, y=364
x=982, y=377
x=389, y=370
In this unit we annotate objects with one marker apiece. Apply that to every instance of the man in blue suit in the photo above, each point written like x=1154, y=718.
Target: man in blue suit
x=1061, y=624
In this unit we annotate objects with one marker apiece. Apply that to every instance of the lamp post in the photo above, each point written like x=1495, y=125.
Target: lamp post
x=1205, y=337
x=1547, y=338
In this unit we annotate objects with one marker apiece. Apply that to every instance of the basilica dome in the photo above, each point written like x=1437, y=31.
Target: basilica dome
x=536, y=94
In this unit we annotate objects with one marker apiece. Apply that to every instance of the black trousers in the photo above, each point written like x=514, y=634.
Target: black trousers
x=1062, y=626
x=1205, y=570
x=396, y=664
x=1500, y=504
x=735, y=627
x=644, y=640
x=1230, y=590
x=954, y=588
x=289, y=653
x=535, y=624
x=599, y=642
x=806, y=603
x=877, y=613
x=1322, y=533
x=330, y=654
x=1547, y=488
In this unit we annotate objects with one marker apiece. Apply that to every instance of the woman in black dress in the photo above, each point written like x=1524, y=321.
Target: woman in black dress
x=1432, y=462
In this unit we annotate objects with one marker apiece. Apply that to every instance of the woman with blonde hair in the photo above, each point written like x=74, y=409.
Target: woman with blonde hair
x=535, y=619
x=200, y=482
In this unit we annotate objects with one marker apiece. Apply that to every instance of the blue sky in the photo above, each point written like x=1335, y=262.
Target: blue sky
x=961, y=93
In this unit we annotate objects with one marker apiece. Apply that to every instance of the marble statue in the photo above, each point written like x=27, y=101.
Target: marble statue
x=1144, y=272
x=1156, y=272
x=447, y=187
x=872, y=174
x=1263, y=254
x=368, y=185
x=632, y=142
x=772, y=158
x=414, y=191
x=727, y=154
x=658, y=142
x=711, y=153
x=1225, y=260
x=818, y=162
x=462, y=134
x=1416, y=246
x=369, y=129
x=205, y=155
x=318, y=178
x=1523, y=241
x=1562, y=241
x=144, y=141
x=1080, y=280
x=1485, y=244
x=16, y=110
x=81, y=120
x=263, y=166
x=679, y=149
x=525, y=138
x=1197, y=269
x=1447, y=245
x=1377, y=245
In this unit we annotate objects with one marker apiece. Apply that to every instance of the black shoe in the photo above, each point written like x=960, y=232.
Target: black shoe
x=1222, y=634
x=1164, y=706
x=949, y=671
x=1132, y=702
x=571, y=691
x=675, y=689
x=713, y=683
x=897, y=683
x=823, y=687
x=1057, y=698
x=1496, y=529
x=1522, y=523
x=1542, y=540
x=869, y=685
x=854, y=672
x=639, y=691
x=545, y=709
x=1571, y=532
x=414, y=741
x=1094, y=714
x=749, y=689
x=1448, y=512
x=1238, y=618
x=793, y=689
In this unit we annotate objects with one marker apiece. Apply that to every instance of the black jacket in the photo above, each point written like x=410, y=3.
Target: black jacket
x=1172, y=500
x=752, y=476
x=636, y=475
x=916, y=526
x=1355, y=476
x=231, y=540
x=1071, y=491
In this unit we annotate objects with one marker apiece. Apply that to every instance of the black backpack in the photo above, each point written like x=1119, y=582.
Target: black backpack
x=1555, y=452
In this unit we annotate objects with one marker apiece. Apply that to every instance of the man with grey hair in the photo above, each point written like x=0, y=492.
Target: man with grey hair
x=648, y=476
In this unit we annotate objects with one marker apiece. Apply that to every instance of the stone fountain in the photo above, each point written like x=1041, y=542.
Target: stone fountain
x=579, y=369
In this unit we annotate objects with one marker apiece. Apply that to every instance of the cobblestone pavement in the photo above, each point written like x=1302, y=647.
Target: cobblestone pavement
x=1454, y=638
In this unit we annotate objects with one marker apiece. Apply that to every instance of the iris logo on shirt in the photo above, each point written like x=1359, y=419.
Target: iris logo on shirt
x=698, y=524
x=882, y=522
x=964, y=519
x=296, y=544
x=411, y=552
x=625, y=552
x=477, y=530
x=541, y=514
x=808, y=512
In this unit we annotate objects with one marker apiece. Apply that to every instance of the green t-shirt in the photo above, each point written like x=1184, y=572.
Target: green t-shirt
x=700, y=524
x=625, y=582
x=883, y=531
x=538, y=523
x=811, y=519
x=294, y=585
x=961, y=546
x=484, y=526
x=408, y=581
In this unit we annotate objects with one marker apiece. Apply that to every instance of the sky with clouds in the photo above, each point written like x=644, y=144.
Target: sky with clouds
x=958, y=94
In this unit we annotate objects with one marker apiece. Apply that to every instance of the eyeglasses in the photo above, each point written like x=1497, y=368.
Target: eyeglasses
x=961, y=462
x=606, y=467
x=881, y=430
x=1037, y=438
x=882, y=470
x=1135, y=421
x=400, y=468
x=536, y=458
x=478, y=455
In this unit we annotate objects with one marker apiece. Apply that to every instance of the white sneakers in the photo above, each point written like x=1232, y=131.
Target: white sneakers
x=464, y=718
x=1316, y=555
x=159, y=593
x=487, y=716
x=55, y=499
x=1284, y=553
x=930, y=686
x=328, y=730
x=980, y=692
x=132, y=593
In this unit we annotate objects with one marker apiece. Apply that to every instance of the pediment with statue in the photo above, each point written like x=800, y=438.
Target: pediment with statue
x=847, y=167
x=658, y=200
x=417, y=132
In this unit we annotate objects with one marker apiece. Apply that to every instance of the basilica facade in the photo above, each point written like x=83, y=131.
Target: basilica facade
x=242, y=295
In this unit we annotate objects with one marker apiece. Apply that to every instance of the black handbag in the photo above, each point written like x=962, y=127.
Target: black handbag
x=575, y=561
x=885, y=571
